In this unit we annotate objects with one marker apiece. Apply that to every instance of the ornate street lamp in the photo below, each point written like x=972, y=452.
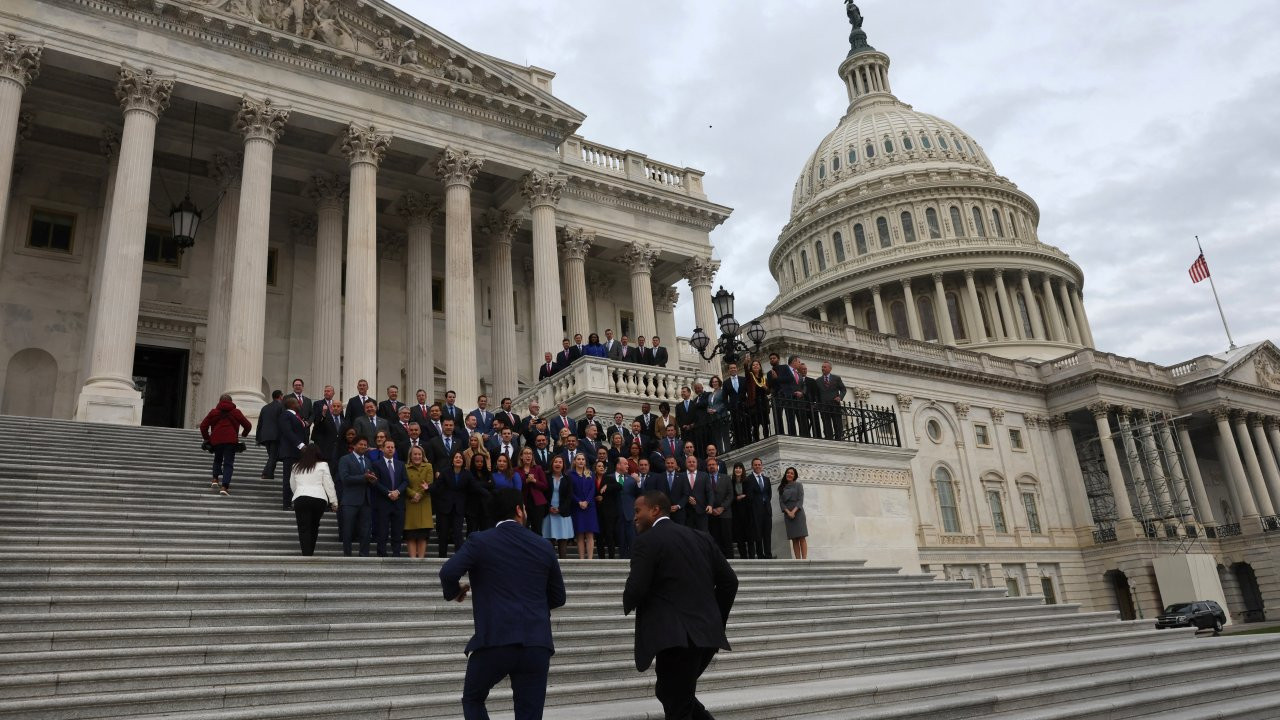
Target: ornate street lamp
x=729, y=345
x=184, y=218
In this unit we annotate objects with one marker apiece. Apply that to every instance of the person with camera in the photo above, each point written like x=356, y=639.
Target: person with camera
x=222, y=429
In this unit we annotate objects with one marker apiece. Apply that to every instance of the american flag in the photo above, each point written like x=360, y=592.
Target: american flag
x=1199, y=269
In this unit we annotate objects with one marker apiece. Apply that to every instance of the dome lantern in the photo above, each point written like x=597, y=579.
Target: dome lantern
x=866, y=70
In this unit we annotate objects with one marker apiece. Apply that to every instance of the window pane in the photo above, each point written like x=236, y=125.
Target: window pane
x=821, y=256
x=957, y=222
x=924, y=140
x=928, y=324
x=853, y=156
x=1024, y=316
x=908, y=227
x=980, y=435
x=50, y=230
x=835, y=163
x=1046, y=589
x=995, y=222
x=906, y=143
x=860, y=239
x=931, y=217
x=822, y=171
x=980, y=226
x=942, y=142
x=997, y=511
x=898, y=311
x=1015, y=439
x=1033, y=517
x=838, y=241
x=804, y=262
x=1011, y=586
x=888, y=145
x=870, y=150
x=159, y=247
x=273, y=266
x=882, y=229
x=873, y=323
x=957, y=323
x=947, y=501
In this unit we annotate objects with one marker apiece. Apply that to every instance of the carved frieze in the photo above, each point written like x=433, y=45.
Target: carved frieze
x=1267, y=371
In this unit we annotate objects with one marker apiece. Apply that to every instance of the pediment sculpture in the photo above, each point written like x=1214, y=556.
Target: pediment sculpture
x=1267, y=370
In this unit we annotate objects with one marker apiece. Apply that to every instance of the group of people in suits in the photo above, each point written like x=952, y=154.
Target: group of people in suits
x=621, y=349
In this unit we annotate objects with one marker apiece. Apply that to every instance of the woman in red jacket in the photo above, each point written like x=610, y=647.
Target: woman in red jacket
x=219, y=430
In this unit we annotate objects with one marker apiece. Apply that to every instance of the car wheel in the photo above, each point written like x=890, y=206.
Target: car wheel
x=1217, y=626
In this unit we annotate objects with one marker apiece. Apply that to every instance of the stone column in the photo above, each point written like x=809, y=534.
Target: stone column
x=1178, y=478
x=574, y=247
x=1073, y=332
x=1101, y=413
x=1132, y=459
x=19, y=65
x=940, y=312
x=1256, y=480
x=977, y=328
x=913, y=315
x=260, y=123
x=542, y=190
x=108, y=394
x=420, y=213
x=501, y=229
x=849, y=317
x=1205, y=508
x=822, y=313
x=110, y=147
x=700, y=272
x=664, y=307
x=1055, y=329
x=1077, y=495
x=364, y=146
x=641, y=257
x=458, y=170
x=329, y=193
x=1235, y=467
x=993, y=306
x=1270, y=471
x=1033, y=307
x=1012, y=329
x=882, y=322
x=1082, y=320
x=1273, y=434
x=226, y=172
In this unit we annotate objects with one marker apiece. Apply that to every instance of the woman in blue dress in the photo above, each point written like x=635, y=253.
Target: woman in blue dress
x=558, y=526
x=585, y=522
x=594, y=348
x=504, y=475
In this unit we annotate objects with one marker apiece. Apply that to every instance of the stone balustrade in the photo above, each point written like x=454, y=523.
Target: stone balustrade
x=577, y=151
x=1088, y=361
x=591, y=379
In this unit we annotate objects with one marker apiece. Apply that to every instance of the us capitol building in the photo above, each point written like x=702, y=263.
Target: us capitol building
x=380, y=202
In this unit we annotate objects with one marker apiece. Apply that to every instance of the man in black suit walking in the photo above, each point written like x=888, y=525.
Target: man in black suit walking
x=292, y=438
x=682, y=590
x=517, y=583
x=267, y=433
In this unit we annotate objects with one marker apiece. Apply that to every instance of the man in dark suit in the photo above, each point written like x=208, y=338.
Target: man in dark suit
x=590, y=443
x=659, y=353
x=388, y=500
x=720, y=507
x=735, y=392
x=647, y=419
x=610, y=345
x=690, y=493
x=305, y=406
x=789, y=390
x=503, y=444
x=433, y=426
x=369, y=424
x=548, y=366
x=682, y=590
x=292, y=438
x=443, y=447
x=355, y=404
x=759, y=492
x=398, y=432
x=685, y=410
x=509, y=417
x=562, y=421
x=660, y=478
x=449, y=502
x=354, y=478
x=483, y=415
x=450, y=408
x=643, y=354
x=809, y=417
x=830, y=397
x=267, y=433
x=577, y=349
x=326, y=433
x=542, y=452
x=619, y=427
x=389, y=409
x=420, y=411
x=671, y=446
x=565, y=356
x=627, y=507
x=318, y=406
x=588, y=419
x=517, y=583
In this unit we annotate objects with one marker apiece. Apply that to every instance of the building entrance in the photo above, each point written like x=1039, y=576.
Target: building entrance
x=1119, y=583
x=160, y=374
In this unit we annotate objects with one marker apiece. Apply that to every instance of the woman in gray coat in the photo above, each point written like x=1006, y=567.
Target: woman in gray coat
x=791, y=499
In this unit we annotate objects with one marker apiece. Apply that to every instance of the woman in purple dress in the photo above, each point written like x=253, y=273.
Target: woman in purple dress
x=585, y=522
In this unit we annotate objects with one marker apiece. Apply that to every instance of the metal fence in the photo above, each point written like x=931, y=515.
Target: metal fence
x=857, y=423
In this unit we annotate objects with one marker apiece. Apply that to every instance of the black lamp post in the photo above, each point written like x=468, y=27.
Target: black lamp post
x=730, y=344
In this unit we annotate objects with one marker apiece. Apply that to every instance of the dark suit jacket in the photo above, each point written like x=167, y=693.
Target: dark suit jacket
x=355, y=407
x=268, y=418
x=582, y=428
x=455, y=412
x=682, y=590
x=654, y=481
x=644, y=355
x=732, y=399
x=682, y=491
x=647, y=424
x=627, y=354
x=326, y=433
x=399, y=434
x=389, y=410
x=811, y=389
x=353, y=489
x=484, y=420
x=762, y=501
x=420, y=415
x=439, y=456
x=449, y=492
x=305, y=406
x=721, y=496
x=546, y=370
x=564, y=358
x=686, y=417
x=386, y=483
x=515, y=584
x=830, y=390
x=554, y=425
x=659, y=355
x=292, y=433
x=369, y=429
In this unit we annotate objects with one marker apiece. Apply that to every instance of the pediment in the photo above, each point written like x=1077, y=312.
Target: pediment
x=1259, y=365
x=375, y=37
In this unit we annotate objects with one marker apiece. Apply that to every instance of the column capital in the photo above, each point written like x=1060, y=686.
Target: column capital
x=260, y=119
x=601, y=284
x=20, y=59
x=1240, y=417
x=1182, y=424
x=302, y=226
x=527, y=266
x=937, y=277
x=1256, y=420
x=1271, y=422
x=997, y=415
x=365, y=144
x=328, y=191
x=1100, y=409
x=542, y=188
x=225, y=169
x=458, y=167
x=906, y=283
x=665, y=298
x=143, y=89
x=1025, y=274
x=999, y=272
x=969, y=273
x=1220, y=412
x=875, y=290
x=109, y=143
x=500, y=226
x=418, y=208
x=641, y=257
x=1058, y=422
x=904, y=401
x=576, y=242
x=847, y=297
x=701, y=271
x=962, y=410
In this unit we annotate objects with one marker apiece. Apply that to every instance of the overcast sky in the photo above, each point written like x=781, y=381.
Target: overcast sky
x=1135, y=125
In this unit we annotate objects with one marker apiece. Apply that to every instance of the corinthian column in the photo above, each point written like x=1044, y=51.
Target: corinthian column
x=913, y=314
x=420, y=213
x=457, y=170
x=364, y=147
x=1248, y=509
x=542, y=190
x=1033, y=308
x=1120, y=496
x=574, y=247
x=1082, y=320
x=941, y=313
x=1012, y=329
x=641, y=258
x=1270, y=472
x=1073, y=333
x=1205, y=508
x=110, y=146
x=330, y=194
x=700, y=272
x=1257, y=482
x=977, y=328
x=19, y=65
x=226, y=173
x=108, y=394
x=501, y=229
x=882, y=321
x=261, y=124
x=1056, y=331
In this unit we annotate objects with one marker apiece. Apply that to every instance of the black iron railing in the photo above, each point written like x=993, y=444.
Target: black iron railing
x=1104, y=535
x=1229, y=530
x=1271, y=523
x=838, y=422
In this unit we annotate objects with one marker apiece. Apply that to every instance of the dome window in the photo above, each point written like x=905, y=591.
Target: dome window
x=898, y=316
x=882, y=229
x=888, y=146
x=931, y=219
x=980, y=226
x=956, y=317
x=957, y=222
x=995, y=222
x=822, y=171
x=871, y=321
x=804, y=263
x=870, y=151
x=820, y=256
x=835, y=163
x=924, y=142
x=942, y=142
x=853, y=156
x=859, y=239
x=907, y=144
x=792, y=263
x=838, y=242
x=908, y=227
x=928, y=322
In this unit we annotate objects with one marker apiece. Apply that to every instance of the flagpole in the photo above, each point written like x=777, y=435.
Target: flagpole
x=1216, y=300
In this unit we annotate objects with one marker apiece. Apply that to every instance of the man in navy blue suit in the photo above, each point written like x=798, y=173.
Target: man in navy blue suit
x=388, y=500
x=517, y=584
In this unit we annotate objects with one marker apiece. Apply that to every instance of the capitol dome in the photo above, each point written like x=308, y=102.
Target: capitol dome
x=900, y=224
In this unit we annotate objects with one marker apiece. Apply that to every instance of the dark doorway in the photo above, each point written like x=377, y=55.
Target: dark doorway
x=1248, y=582
x=1119, y=583
x=161, y=376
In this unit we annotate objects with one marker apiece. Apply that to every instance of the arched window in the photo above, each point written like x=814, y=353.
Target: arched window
x=859, y=239
x=947, y=505
x=898, y=314
x=838, y=242
x=908, y=227
x=928, y=323
x=835, y=163
x=820, y=256
x=978, y=225
x=888, y=145
x=957, y=319
x=984, y=314
x=869, y=150
x=873, y=323
x=931, y=219
x=1024, y=315
x=906, y=142
x=924, y=142
x=942, y=141
x=995, y=222
x=822, y=170
x=804, y=262
x=853, y=156
x=792, y=263
x=996, y=503
x=957, y=222
x=882, y=229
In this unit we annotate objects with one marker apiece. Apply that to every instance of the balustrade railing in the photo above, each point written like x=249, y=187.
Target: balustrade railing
x=1228, y=530
x=1104, y=535
x=626, y=381
x=1271, y=523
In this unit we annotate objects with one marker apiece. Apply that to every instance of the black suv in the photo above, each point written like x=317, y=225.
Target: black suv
x=1203, y=614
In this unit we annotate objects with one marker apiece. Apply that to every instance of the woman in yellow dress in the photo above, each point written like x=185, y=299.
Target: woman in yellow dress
x=418, y=519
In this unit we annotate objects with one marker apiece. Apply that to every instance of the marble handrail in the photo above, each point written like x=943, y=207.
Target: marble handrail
x=629, y=382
